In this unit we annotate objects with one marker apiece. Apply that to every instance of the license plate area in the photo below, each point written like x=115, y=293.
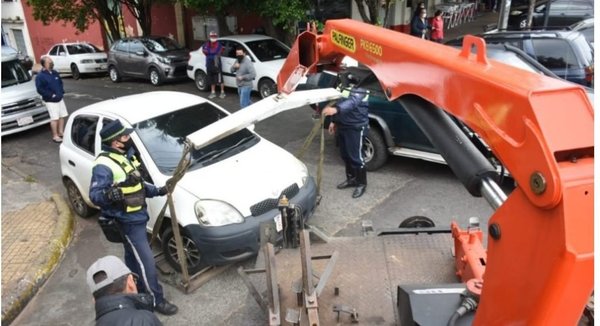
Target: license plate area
x=23, y=121
x=278, y=223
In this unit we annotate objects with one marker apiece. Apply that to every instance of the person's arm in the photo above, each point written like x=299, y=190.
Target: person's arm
x=102, y=182
x=41, y=86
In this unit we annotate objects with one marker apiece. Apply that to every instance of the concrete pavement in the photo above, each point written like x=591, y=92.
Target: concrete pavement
x=36, y=228
x=37, y=224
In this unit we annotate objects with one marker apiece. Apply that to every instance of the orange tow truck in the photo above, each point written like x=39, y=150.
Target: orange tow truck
x=538, y=268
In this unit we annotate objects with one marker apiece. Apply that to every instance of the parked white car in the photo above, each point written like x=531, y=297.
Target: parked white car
x=267, y=55
x=78, y=58
x=231, y=186
x=22, y=107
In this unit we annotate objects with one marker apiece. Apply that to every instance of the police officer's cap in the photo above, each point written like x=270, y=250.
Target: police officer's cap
x=113, y=130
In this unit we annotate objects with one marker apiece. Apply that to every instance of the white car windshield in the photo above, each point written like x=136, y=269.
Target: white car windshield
x=164, y=137
x=161, y=44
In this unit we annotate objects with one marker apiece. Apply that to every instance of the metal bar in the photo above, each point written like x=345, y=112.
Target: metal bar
x=272, y=286
x=492, y=193
x=326, y=273
x=178, y=241
x=429, y=230
x=307, y=279
x=257, y=297
x=255, y=270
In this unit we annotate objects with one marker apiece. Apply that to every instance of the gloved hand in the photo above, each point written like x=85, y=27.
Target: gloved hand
x=163, y=191
x=115, y=195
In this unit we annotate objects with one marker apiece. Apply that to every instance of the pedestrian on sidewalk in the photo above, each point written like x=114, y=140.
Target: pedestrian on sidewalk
x=437, y=27
x=50, y=86
x=213, y=50
x=350, y=123
x=244, y=75
x=117, y=301
x=419, y=25
x=119, y=190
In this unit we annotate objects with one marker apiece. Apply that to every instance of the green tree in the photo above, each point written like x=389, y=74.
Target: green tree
x=84, y=12
x=279, y=17
x=80, y=13
x=372, y=17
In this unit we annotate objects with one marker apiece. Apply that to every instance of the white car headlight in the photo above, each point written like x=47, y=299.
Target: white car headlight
x=216, y=213
x=87, y=61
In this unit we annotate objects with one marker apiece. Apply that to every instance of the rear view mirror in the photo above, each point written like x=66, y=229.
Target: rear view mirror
x=141, y=53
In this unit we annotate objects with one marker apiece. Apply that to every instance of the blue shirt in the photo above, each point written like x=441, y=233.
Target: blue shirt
x=353, y=111
x=49, y=85
x=102, y=181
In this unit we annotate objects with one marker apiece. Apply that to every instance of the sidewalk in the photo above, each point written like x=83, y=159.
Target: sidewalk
x=36, y=229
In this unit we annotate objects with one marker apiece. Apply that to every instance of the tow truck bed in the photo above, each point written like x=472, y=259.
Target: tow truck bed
x=367, y=273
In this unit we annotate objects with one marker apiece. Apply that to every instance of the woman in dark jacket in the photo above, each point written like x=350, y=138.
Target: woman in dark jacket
x=419, y=25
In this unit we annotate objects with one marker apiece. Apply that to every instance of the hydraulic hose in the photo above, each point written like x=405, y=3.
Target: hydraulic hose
x=468, y=303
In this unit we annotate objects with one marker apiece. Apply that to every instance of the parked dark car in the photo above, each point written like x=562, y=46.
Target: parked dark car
x=155, y=58
x=566, y=53
x=391, y=129
x=562, y=13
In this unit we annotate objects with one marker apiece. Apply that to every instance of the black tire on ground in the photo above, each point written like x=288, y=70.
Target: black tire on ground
x=75, y=71
x=193, y=254
x=201, y=80
x=374, y=150
x=76, y=200
x=417, y=222
x=113, y=74
x=266, y=88
x=155, y=77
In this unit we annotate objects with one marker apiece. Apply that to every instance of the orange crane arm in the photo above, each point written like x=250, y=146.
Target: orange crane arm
x=540, y=261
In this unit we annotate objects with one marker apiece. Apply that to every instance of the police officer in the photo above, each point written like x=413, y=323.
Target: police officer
x=350, y=118
x=118, y=188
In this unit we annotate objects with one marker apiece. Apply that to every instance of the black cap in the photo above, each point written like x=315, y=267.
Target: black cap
x=113, y=130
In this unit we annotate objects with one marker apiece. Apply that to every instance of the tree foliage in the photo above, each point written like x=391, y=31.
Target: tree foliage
x=82, y=13
x=369, y=11
x=279, y=17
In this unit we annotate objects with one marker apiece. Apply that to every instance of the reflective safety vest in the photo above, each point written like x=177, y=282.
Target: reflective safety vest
x=346, y=93
x=127, y=177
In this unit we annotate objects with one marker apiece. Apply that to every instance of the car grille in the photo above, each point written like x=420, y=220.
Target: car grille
x=7, y=126
x=271, y=203
x=180, y=70
x=100, y=60
x=20, y=106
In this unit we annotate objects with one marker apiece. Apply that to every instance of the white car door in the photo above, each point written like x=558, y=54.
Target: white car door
x=227, y=60
x=79, y=151
x=61, y=61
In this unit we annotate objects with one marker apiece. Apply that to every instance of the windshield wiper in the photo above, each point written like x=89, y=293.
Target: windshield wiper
x=214, y=154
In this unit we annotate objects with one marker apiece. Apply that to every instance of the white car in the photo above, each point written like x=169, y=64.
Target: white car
x=231, y=186
x=78, y=58
x=267, y=55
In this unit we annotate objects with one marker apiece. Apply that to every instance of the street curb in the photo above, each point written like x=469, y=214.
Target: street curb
x=61, y=237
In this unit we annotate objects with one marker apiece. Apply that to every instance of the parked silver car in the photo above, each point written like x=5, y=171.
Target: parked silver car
x=156, y=58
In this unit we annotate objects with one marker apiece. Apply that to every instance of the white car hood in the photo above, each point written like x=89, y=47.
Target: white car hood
x=239, y=180
x=18, y=92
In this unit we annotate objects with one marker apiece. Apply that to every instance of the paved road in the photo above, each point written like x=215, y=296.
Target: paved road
x=403, y=188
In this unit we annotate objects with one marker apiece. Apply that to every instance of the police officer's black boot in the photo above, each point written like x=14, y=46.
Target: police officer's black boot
x=350, y=178
x=361, y=178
